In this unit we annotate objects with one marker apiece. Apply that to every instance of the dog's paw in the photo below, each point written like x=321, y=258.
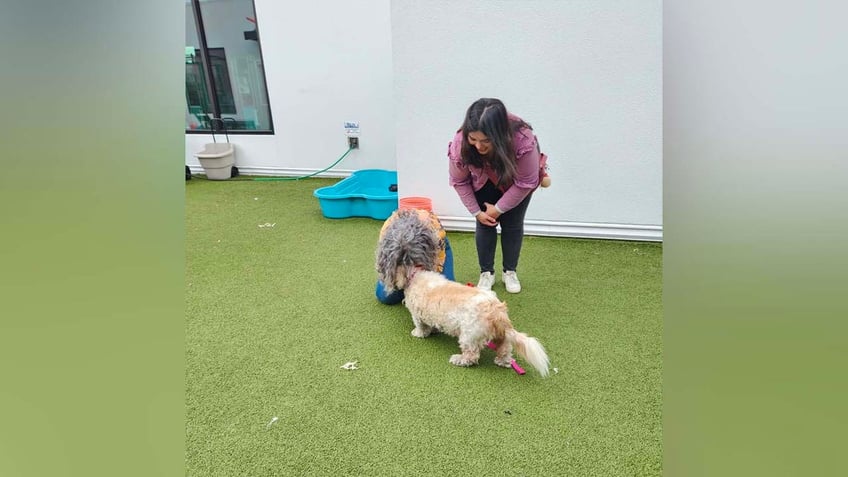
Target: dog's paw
x=419, y=333
x=504, y=362
x=457, y=360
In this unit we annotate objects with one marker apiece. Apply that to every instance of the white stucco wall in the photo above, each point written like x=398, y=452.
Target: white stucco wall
x=325, y=62
x=586, y=75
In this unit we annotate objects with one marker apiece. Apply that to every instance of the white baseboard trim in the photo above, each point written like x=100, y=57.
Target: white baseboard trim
x=278, y=172
x=647, y=233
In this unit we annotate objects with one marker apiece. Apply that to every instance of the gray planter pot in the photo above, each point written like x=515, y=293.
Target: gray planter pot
x=217, y=160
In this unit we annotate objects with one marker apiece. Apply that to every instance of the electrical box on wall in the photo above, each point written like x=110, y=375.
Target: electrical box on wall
x=351, y=128
x=352, y=133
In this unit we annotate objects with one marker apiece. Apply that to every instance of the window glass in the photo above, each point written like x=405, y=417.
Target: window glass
x=238, y=78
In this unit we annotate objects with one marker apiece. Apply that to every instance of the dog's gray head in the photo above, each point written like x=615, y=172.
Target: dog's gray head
x=407, y=242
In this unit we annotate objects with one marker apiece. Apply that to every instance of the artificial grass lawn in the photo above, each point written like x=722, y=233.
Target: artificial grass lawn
x=273, y=312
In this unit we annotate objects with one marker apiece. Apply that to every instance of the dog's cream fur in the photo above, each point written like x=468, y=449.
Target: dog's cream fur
x=473, y=315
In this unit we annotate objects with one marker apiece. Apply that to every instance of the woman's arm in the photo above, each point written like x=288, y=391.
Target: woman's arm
x=460, y=179
x=526, y=179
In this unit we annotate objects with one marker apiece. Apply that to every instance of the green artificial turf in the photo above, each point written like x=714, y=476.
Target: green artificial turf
x=273, y=312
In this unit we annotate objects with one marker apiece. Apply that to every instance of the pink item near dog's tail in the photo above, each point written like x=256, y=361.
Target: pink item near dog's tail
x=518, y=369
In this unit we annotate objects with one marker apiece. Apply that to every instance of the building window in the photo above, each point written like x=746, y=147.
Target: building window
x=225, y=77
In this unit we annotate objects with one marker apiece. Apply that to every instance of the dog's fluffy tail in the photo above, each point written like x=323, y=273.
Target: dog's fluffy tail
x=531, y=350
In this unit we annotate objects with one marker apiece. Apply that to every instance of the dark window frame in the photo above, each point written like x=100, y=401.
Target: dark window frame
x=210, y=81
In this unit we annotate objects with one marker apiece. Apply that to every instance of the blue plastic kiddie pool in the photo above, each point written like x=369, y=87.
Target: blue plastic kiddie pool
x=366, y=193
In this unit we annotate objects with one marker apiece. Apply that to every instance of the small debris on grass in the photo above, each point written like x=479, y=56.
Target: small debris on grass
x=556, y=370
x=350, y=365
x=266, y=224
x=256, y=198
x=507, y=412
x=273, y=420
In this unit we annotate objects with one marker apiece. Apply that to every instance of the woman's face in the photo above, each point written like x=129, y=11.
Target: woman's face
x=481, y=142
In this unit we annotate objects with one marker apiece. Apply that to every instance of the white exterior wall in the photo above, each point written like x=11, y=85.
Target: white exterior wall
x=325, y=62
x=586, y=75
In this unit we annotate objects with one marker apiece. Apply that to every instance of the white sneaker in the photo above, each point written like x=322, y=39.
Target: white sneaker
x=487, y=279
x=510, y=279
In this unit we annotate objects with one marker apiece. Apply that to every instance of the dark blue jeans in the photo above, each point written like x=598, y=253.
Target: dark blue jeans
x=512, y=231
x=396, y=296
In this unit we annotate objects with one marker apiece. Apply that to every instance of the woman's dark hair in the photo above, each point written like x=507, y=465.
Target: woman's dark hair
x=489, y=116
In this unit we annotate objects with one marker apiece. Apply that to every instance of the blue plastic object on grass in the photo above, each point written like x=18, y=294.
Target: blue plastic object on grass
x=366, y=193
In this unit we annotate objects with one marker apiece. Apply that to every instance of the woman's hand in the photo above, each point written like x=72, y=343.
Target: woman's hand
x=486, y=219
x=492, y=211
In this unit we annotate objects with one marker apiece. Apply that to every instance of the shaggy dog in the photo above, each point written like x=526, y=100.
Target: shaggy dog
x=406, y=255
x=473, y=315
x=405, y=242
